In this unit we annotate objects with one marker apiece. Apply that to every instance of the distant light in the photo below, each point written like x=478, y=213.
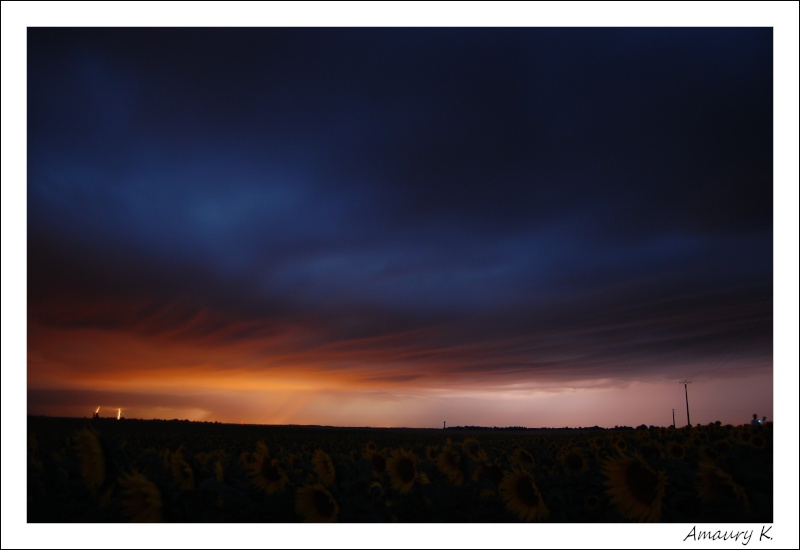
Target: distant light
x=119, y=413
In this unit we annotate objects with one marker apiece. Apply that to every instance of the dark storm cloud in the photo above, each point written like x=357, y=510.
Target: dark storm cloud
x=603, y=194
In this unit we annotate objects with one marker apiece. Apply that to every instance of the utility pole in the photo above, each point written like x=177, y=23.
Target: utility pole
x=673, y=418
x=686, y=391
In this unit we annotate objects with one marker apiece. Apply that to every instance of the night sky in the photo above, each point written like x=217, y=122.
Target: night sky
x=401, y=226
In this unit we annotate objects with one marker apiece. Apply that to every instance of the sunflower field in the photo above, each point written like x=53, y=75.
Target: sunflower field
x=104, y=470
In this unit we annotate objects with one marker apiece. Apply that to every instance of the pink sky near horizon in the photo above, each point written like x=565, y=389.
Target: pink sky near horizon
x=71, y=371
x=729, y=401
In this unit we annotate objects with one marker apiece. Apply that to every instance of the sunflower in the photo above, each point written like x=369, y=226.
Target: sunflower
x=521, y=457
x=574, y=460
x=473, y=450
x=673, y=450
x=522, y=496
x=219, y=470
x=141, y=499
x=402, y=467
x=449, y=463
x=165, y=455
x=715, y=483
x=262, y=449
x=315, y=504
x=634, y=487
x=369, y=449
x=267, y=474
x=620, y=444
x=375, y=491
x=93, y=462
x=709, y=453
x=378, y=463
x=182, y=472
x=431, y=452
x=323, y=466
x=596, y=443
x=245, y=458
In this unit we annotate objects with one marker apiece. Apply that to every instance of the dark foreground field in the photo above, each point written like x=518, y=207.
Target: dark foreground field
x=104, y=470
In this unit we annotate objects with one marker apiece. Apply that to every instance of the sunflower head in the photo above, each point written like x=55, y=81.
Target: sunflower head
x=92, y=457
x=522, y=496
x=266, y=474
x=182, y=472
x=715, y=483
x=402, y=468
x=245, y=457
x=219, y=470
x=521, y=457
x=323, y=466
x=315, y=504
x=709, y=453
x=262, y=449
x=473, y=450
x=635, y=488
x=375, y=491
x=369, y=449
x=378, y=463
x=141, y=499
x=431, y=452
x=673, y=450
x=450, y=464
x=574, y=460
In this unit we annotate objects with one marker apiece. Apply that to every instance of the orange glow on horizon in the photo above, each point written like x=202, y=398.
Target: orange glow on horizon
x=382, y=381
